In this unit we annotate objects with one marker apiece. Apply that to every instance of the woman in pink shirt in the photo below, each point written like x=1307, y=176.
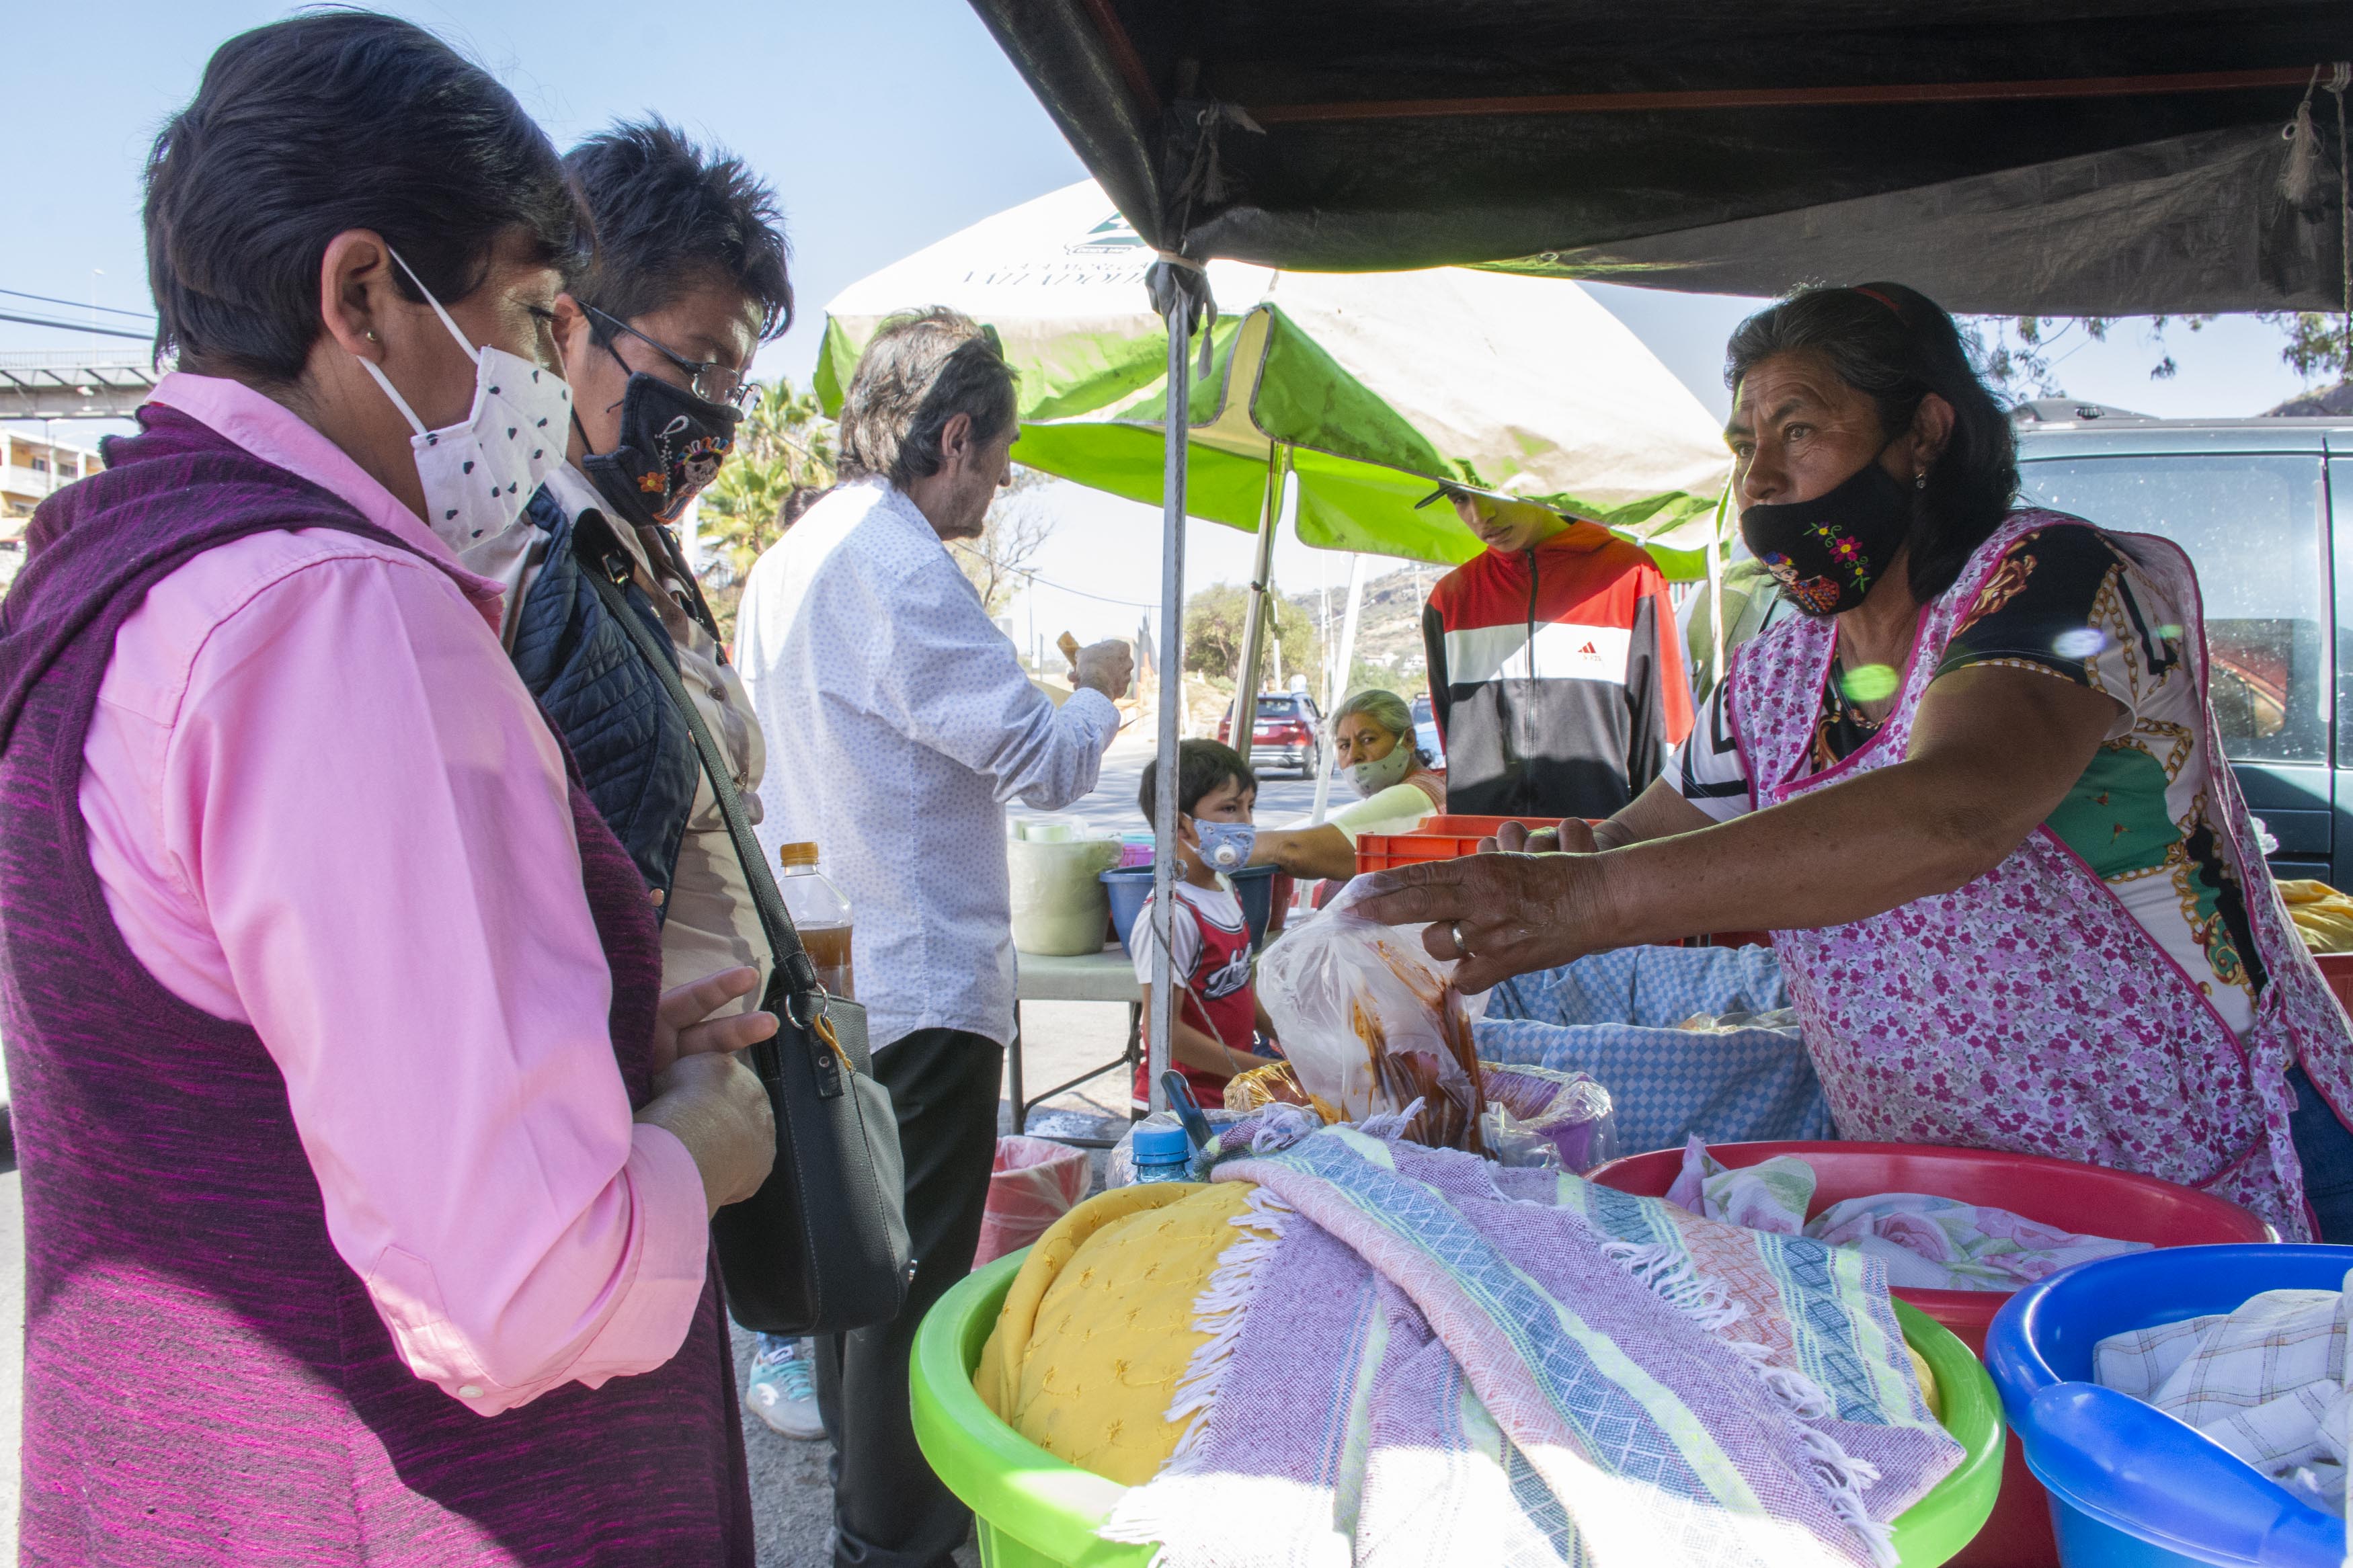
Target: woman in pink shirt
x=367, y=1171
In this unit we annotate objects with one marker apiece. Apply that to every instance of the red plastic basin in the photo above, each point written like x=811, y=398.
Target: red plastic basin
x=2082, y=1198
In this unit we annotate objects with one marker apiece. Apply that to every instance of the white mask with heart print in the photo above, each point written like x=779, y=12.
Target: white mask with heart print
x=480, y=474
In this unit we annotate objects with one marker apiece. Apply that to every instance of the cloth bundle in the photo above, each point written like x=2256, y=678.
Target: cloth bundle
x=2266, y=1381
x=1925, y=1243
x=1688, y=1040
x=1414, y=1356
x=1567, y=1110
x=2323, y=916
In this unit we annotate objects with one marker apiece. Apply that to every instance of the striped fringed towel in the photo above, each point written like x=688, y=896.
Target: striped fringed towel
x=1417, y=1357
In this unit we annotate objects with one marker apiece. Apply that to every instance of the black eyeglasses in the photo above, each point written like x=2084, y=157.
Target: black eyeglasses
x=707, y=379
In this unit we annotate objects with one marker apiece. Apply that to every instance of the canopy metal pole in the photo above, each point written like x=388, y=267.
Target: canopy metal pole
x=1172, y=694
x=1341, y=668
x=1245, y=719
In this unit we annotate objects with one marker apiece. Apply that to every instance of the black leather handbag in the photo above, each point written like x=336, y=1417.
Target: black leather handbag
x=822, y=1246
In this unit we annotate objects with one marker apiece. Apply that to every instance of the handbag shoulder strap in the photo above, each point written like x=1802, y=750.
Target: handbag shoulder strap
x=609, y=565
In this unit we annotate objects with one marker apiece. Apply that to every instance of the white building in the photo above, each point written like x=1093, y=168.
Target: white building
x=30, y=468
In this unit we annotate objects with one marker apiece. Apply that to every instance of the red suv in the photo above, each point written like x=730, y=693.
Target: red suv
x=1288, y=733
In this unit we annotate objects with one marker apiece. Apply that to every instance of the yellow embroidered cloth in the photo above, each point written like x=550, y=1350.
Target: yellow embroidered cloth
x=1098, y=1326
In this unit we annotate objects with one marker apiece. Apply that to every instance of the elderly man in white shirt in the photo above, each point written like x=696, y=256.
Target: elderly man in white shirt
x=898, y=722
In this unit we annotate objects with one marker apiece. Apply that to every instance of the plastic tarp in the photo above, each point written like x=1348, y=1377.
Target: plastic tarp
x=2106, y=157
x=1378, y=383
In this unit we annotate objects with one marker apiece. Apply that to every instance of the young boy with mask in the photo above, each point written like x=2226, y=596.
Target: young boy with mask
x=1218, y=1016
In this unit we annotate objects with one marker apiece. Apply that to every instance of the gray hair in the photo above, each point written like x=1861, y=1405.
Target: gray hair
x=922, y=369
x=1386, y=709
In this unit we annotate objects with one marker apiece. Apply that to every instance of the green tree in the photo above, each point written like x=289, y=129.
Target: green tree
x=2318, y=346
x=2021, y=354
x=1214, y=618
x=784, y=444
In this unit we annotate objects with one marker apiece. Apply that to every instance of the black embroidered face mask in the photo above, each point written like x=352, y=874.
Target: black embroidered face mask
x=670, y=447
x=1828, y=552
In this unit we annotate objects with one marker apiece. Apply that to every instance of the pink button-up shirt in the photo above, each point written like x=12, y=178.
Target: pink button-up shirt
x=320, y=802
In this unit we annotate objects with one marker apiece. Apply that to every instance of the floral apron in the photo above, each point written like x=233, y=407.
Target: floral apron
x=2029, y=1011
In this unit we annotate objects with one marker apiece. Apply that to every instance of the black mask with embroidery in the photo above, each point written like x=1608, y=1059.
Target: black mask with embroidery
x=1828, y=552
x=670, y=447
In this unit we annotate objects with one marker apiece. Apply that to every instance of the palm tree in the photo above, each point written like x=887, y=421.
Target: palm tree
x=784, y=444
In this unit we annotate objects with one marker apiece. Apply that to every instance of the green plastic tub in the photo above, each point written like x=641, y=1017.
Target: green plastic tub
x=1035, y=1510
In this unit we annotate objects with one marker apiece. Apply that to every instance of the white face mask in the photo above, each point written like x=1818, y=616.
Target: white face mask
x=479, y=475
x=1369, y=778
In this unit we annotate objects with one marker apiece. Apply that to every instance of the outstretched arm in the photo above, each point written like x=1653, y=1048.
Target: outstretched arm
x=1994, y=750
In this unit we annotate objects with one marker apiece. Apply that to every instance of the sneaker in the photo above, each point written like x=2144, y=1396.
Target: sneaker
x=783, y=1386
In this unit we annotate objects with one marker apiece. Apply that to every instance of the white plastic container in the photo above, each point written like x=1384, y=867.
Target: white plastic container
x=1061, y=908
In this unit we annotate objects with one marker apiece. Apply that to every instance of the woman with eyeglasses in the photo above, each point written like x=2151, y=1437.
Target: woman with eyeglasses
x=368, y=1168
x=656, y=337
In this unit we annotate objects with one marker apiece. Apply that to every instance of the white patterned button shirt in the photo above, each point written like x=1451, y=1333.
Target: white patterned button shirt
x=898, y=722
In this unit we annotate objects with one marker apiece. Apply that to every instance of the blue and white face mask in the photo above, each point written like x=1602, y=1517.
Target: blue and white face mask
x=479, y=474
x=1225, y=845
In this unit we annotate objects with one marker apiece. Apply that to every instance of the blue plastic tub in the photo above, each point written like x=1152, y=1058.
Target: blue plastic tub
x=1130, y=885
x=2131, y=1487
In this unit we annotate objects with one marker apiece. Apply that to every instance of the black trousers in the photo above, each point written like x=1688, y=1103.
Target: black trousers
x=889, y=1510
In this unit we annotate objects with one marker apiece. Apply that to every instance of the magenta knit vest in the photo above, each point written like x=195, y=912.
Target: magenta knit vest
x=205, y=1381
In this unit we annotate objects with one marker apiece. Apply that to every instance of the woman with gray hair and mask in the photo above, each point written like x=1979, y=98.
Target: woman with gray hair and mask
x=1974, y=791
x=1397, y=788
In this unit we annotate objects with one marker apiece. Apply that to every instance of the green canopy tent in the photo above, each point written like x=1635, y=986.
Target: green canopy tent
x=1367, y=386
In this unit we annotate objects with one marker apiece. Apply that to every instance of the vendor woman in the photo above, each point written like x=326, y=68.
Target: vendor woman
x=1373, y=748
x=1975, y=792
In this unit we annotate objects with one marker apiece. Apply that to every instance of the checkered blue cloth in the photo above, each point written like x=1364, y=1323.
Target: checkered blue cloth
x=1614, y=1015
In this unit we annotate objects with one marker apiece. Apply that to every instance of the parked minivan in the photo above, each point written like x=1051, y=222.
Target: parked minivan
x=2264, y=508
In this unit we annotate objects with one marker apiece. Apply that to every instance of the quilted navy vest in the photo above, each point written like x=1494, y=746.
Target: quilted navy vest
x=635, y=753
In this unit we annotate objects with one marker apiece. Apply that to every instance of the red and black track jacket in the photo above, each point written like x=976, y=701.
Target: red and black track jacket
x=1556, y=676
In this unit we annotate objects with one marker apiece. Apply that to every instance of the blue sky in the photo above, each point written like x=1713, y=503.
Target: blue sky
x=883, y=124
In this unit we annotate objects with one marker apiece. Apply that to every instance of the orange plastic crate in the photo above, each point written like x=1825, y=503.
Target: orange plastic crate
x=1437, y=838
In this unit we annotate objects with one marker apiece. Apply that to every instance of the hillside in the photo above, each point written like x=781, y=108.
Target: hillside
x=1389, y=632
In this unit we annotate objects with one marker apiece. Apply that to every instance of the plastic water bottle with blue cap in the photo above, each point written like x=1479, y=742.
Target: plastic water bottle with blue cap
x=1162, y=1153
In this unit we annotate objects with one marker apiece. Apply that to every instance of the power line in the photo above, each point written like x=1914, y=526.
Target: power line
x=1036, y=581
x=77, y=305
x=75, y=326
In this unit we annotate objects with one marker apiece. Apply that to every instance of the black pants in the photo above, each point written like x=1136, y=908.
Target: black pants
x=890, y=1509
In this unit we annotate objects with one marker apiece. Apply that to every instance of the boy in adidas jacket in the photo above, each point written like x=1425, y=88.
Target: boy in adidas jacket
x=1555, y=669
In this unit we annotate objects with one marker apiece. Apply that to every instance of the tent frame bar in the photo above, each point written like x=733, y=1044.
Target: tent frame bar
x=1123, y=55
x=1784, y=97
